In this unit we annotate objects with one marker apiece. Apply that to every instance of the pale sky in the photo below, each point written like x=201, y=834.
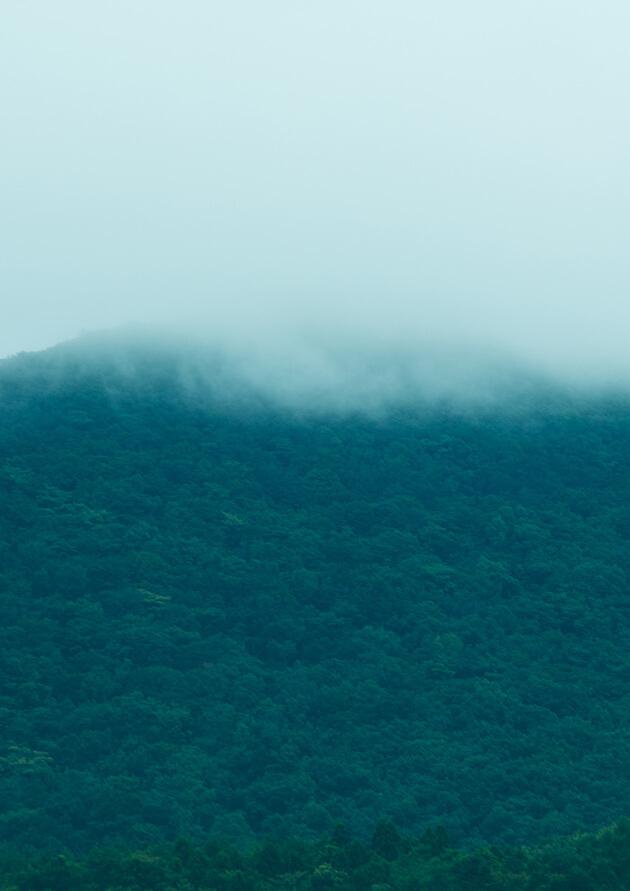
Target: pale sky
x=456, y=168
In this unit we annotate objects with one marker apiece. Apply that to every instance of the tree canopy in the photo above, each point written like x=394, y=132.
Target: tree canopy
x=237, y=621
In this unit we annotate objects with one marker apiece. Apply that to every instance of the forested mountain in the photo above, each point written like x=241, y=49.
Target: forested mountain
x=222, y=616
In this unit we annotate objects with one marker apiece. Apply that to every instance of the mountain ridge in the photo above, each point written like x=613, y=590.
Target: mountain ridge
x=303, y=375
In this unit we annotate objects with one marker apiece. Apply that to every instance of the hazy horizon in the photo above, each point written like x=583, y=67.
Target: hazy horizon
x=396, y=172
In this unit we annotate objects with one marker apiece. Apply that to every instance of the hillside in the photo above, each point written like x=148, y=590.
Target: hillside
x=224, y=616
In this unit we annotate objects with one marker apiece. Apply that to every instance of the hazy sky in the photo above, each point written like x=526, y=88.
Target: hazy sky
x=455, y=168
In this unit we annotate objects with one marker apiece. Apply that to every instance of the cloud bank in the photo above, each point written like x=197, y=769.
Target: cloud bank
x=306, y=376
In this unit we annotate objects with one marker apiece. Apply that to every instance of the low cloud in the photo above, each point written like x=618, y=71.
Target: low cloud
x=304, y=373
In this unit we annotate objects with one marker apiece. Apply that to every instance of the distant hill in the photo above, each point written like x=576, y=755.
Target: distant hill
x=228, y=612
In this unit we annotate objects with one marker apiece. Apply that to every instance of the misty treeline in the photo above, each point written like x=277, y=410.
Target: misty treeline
x=335, y=862
x=246, y=623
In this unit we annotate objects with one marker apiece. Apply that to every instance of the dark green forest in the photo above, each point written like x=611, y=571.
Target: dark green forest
x=222, y=618
x=335, y=862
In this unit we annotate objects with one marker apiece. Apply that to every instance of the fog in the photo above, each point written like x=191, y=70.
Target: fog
x=445, y=178
x=311, y=375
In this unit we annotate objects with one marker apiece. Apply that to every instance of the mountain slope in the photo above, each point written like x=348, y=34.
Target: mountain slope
x=243, y=620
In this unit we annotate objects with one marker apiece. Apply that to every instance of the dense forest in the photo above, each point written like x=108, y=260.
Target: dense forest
x=222, y=617
x=335, y=862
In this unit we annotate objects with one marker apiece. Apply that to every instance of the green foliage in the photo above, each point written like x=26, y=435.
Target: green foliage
x=598, y=862
x=240, y=623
